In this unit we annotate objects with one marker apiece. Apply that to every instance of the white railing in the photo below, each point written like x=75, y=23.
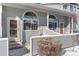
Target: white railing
x=67, y=41
x=43, y=30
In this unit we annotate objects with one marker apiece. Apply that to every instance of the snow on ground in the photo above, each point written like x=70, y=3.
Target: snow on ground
x=73, y=51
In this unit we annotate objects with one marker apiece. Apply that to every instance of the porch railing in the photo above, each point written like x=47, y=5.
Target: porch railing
x=67, y=40
x=43, y=30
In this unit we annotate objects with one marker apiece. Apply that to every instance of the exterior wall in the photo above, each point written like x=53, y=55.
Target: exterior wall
x=13, y=12
x=63, y=19
x=9, y=12
x=3, y=46
x=42, y=19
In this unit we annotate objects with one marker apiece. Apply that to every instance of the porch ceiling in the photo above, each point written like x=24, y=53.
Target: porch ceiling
x=39, y=7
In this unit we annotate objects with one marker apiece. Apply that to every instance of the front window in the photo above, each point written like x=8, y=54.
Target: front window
x=52, y=22
x=30, y=25
x=52, y=25
x=30, y=21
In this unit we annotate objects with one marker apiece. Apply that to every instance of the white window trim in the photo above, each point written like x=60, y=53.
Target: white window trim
x=0, y=20
x=54, y=22
x=26, y=18
x=8, y=25
x=31, y=29
x=49, y=19
x=72, y=24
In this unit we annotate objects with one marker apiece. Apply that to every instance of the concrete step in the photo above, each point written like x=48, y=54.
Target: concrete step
x=14, y=45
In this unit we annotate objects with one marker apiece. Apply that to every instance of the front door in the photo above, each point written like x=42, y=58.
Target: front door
x=61, y=28
x=14, y=29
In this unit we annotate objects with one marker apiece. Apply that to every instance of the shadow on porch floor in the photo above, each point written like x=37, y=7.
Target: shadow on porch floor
x=16, y=49
x=19, y=52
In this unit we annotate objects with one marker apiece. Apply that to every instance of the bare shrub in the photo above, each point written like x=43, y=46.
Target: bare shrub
x=48, y=47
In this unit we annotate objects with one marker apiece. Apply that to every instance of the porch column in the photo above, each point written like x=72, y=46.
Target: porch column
x=47, y=19
x=0, y=20
x=72, y=24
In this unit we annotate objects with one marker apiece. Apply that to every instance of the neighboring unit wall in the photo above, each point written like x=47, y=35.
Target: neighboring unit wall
x=3, y=46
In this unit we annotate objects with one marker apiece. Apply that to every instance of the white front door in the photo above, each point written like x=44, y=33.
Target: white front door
x=14, y=29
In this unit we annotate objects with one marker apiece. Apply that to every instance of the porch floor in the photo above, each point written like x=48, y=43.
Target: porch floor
x=24, y=51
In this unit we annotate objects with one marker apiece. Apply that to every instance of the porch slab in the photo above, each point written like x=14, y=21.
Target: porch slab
x=24, y=51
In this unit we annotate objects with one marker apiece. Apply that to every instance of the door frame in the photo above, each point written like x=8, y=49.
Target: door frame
x=63, y=27
x=8, y=28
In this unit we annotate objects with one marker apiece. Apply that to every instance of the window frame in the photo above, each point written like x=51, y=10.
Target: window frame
x=53, y=21
x=53, y=24
x=30, y=29
x=37, y=19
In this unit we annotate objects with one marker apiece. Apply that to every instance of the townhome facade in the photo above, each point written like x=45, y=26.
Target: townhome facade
x=19, y=22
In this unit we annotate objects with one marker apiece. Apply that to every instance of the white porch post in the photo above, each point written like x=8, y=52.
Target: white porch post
x=69, y=24
x=47, y=19
x=0, y=20
x=72, y=24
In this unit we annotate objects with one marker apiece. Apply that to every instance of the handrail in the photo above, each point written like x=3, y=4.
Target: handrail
x=46, y=31
x=54, y=35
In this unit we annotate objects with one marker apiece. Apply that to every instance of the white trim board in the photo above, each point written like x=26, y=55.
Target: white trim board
x=0, y=20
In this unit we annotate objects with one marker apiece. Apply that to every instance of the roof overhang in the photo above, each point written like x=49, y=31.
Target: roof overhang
x=39, y=7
